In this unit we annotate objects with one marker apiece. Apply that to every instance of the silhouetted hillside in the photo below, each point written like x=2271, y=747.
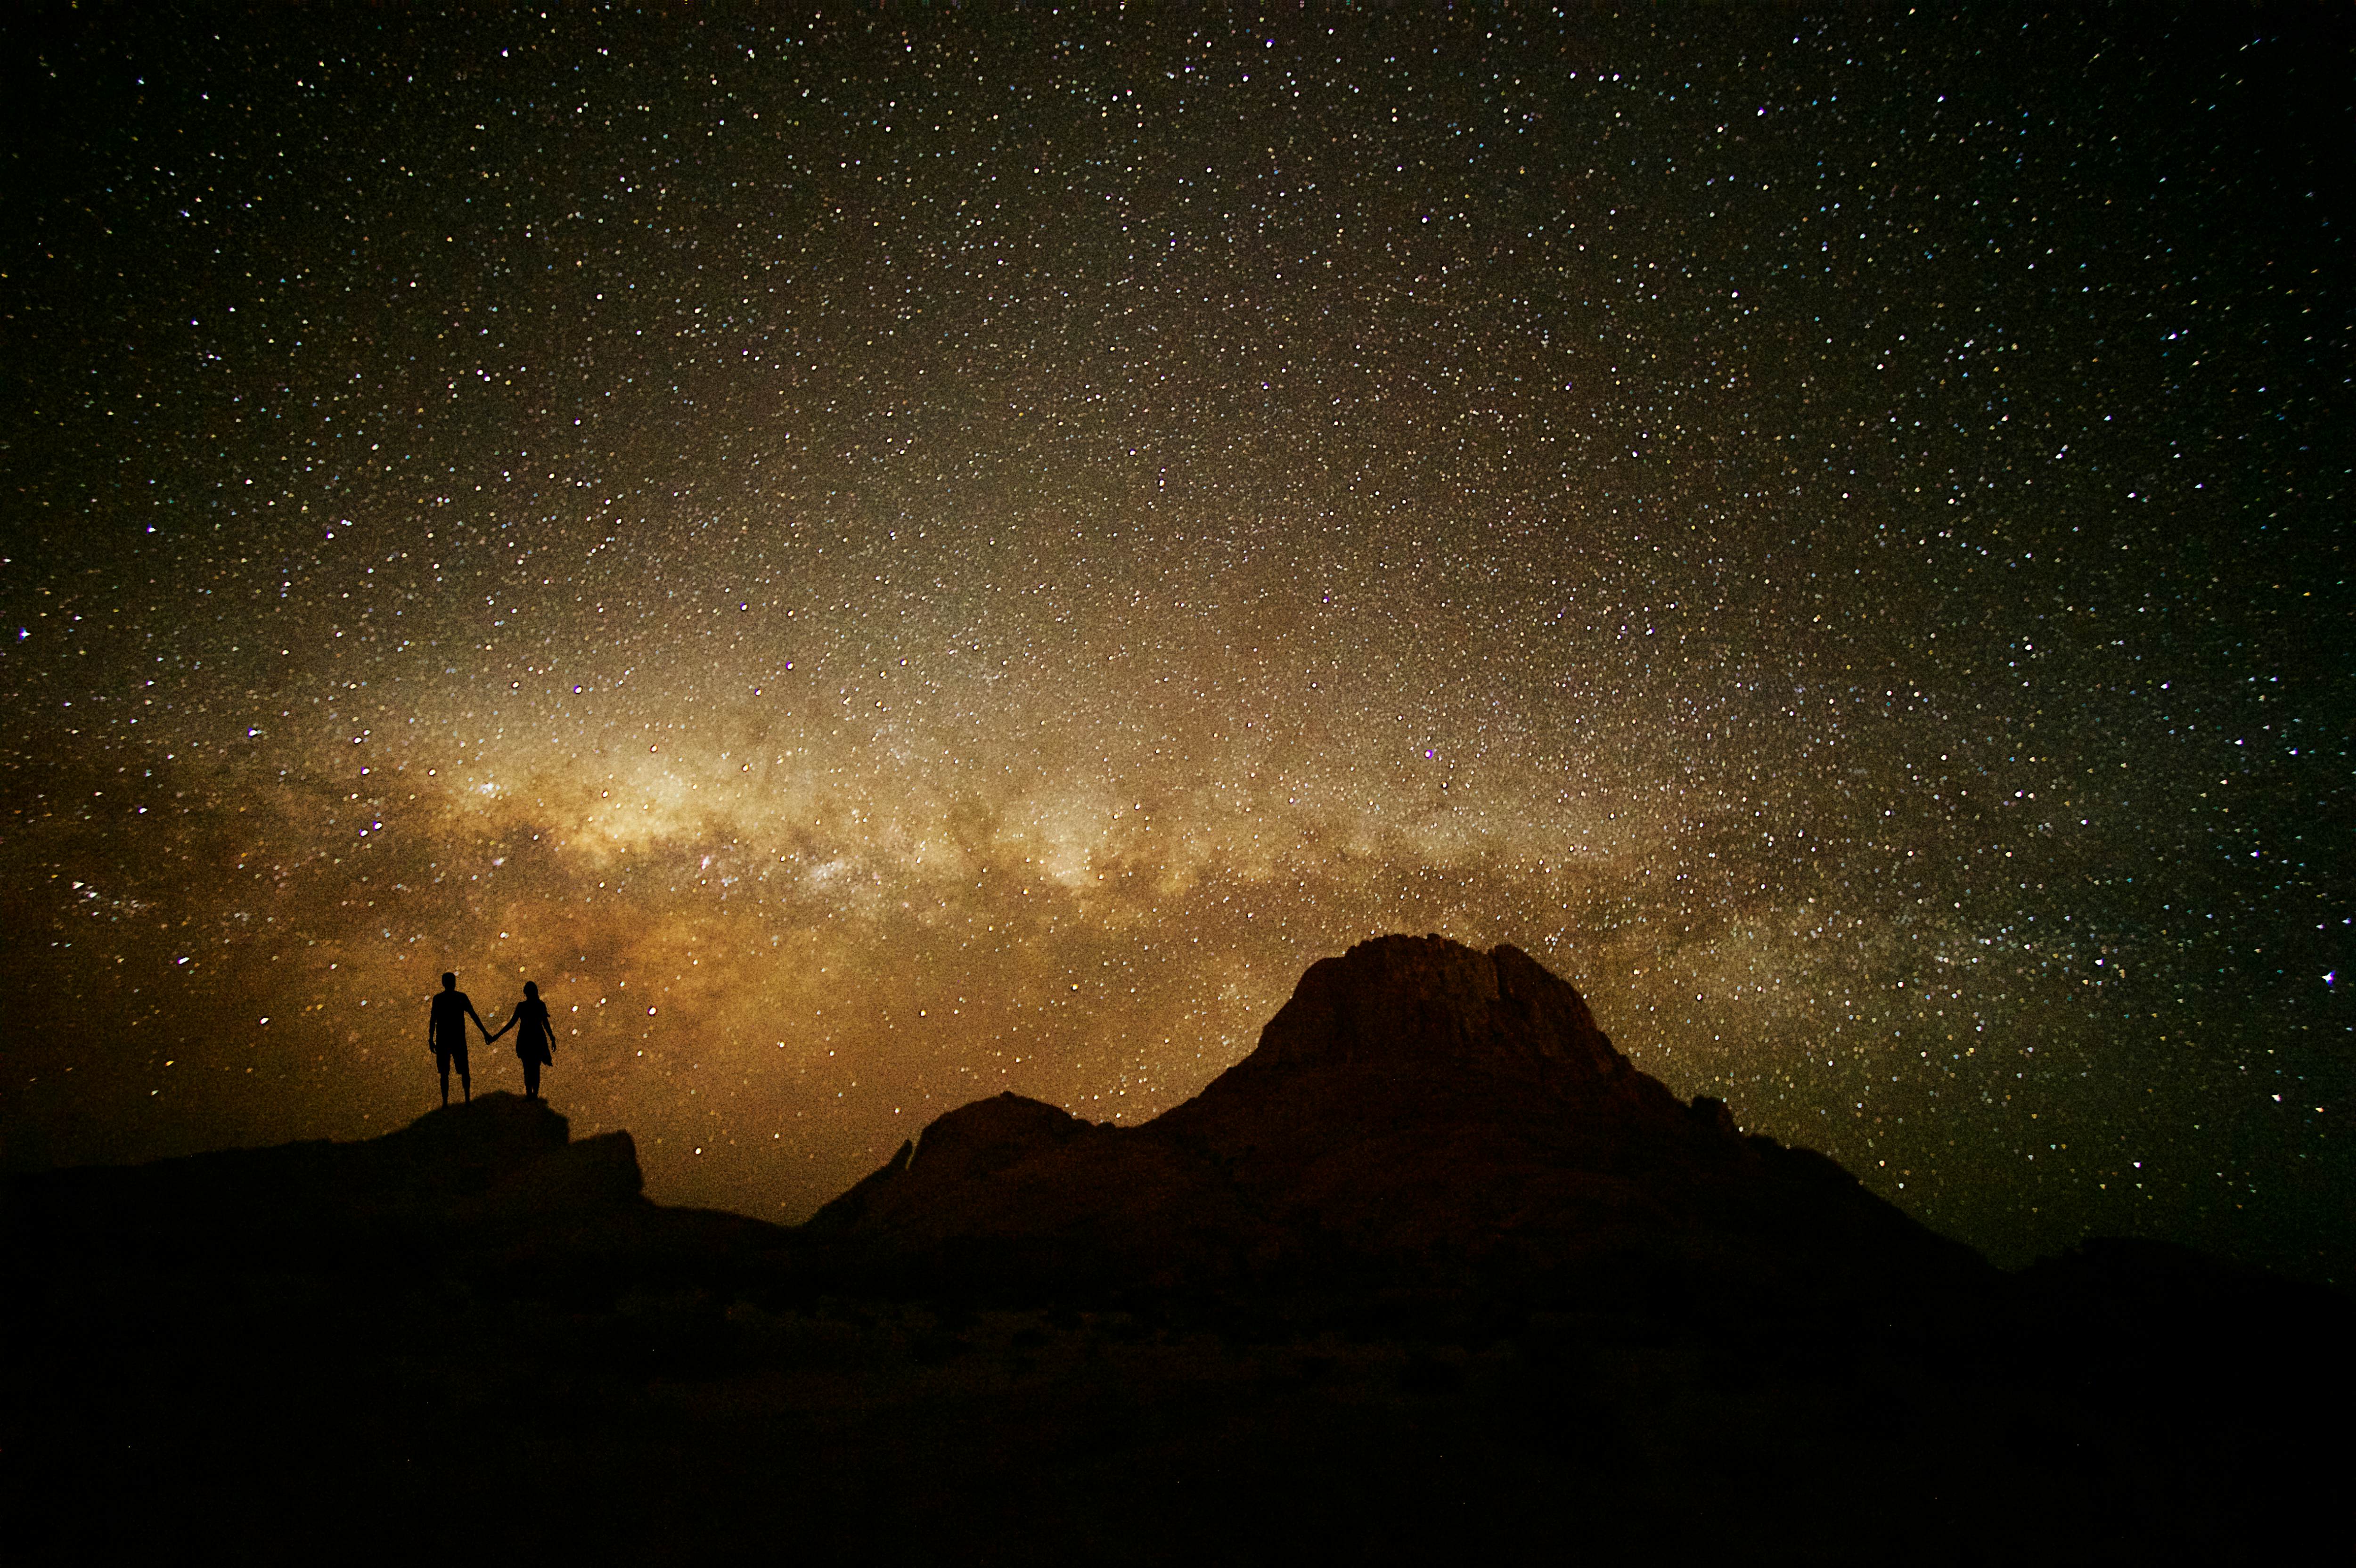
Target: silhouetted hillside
x=1418, y=1112
x=497, y=1181
x=501, y=1156
x=1433, y=1271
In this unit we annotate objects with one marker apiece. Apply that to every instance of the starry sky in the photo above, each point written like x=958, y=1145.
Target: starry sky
x=882, y=556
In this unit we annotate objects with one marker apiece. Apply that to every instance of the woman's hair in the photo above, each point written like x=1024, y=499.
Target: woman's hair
x=531, y=989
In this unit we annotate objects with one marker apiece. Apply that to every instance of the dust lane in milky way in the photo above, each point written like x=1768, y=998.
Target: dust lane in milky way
x=883, y=560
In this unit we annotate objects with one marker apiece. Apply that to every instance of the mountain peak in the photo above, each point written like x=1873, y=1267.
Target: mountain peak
x=1415, y=1101
x=1423, y=999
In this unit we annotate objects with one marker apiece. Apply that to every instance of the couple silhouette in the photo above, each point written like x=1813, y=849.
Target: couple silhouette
x=445, y=1031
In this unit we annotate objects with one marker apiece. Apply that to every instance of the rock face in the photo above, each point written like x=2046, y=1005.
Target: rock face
x=1418, y=1111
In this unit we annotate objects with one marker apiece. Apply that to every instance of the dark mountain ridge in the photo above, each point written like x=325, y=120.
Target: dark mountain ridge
x=1420, y=1111
x=1434, y=1269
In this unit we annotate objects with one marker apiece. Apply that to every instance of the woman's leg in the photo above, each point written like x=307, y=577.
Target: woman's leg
x=531, y=1078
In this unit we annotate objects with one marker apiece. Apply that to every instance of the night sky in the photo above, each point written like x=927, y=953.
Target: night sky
x=883, y=558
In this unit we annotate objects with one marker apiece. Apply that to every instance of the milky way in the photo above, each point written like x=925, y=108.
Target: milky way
x=886, y=559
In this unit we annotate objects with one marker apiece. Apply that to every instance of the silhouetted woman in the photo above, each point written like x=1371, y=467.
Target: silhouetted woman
x=535, y=1041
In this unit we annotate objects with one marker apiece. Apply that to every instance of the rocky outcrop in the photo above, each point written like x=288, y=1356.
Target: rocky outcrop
x=1420, y=1110
x=499, y=1163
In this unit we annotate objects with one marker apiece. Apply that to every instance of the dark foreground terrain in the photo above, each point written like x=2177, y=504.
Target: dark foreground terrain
x=1433, y=1271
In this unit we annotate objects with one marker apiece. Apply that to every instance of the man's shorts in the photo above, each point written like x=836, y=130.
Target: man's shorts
x=443, y=1055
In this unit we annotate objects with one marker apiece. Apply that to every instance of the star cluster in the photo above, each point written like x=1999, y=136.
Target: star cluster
x=887, y=558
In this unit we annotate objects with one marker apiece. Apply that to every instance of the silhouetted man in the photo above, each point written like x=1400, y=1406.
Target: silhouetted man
x=445, y=1031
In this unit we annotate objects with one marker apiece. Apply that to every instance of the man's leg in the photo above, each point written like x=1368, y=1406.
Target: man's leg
x=444, y=1067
